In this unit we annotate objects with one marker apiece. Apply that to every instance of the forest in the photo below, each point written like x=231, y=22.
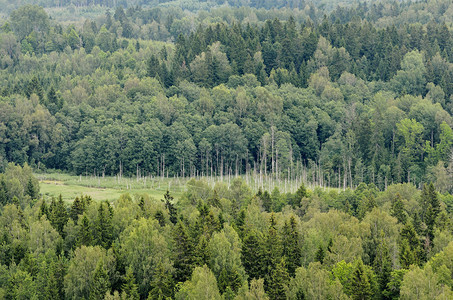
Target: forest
x=352, y=102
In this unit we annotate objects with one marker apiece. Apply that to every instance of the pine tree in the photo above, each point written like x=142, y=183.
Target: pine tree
x=361, y=288
x=382, y=263
x=252, y=255
x=183, y=253
x=398, y=209
x=3, y=192
x=168, y=200
x=43, y=210
x=291, y=247
x=278, y=280
x=319, y=255
x=162, y=284
x=31, y=190
x=58, y=215
x=103, y=226
x=77, y=208
x=129, y=287
x=152, y=66
x=101, y=283
x=84, y=236
x=159, y=216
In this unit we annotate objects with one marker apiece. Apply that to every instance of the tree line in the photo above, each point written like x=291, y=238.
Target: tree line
x=224, y=242
x=281, y=99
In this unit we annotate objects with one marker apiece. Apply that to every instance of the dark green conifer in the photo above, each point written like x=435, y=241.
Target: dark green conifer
x=361, y=287
x=101, y=282
x=129, y=287
x=84, y=236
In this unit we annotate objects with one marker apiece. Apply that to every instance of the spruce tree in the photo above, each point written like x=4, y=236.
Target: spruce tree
x=168, y=200
x=77, y=208
x=183, y=253
x=31, y=190
x=300, y=194
x=291, y=247
x=43, y=210
x=103, y=226
x=101, y=284
x=161, y=284
x=201, y=252
x=361, y=288
x=84, y=236
x=159, y=216
x=278, y=280
x=59, y=215
x=382, y=263
x=273, y=251
x=129, y=287
x=3, y=191
x=267, y=201
x=152, y=66
x=253, y=255
x=320, y=254
x=398, y=209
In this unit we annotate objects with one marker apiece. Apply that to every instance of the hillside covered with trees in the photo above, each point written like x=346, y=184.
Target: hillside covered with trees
x=353, y=100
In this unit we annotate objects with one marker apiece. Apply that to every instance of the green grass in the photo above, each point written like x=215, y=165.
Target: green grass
x=107, y=188
x=111, y=188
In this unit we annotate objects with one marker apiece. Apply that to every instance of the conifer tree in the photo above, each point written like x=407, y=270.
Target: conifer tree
x=201, y=252
x=77, y=208
x=278, y=280
x=58, y=215
x=3, y=192
x=300, y=194
x=273, y=251
x=320, y=254
x=382, y=263
x=51, y=289
x=103, y=226
x=168, y=200
x=183, y=253
x=43, y=210
x=84, y=236
x=253, y=255
x=159, y=216
x=291, y=247
x=100, y=284
x=361, y=287
x=129, y=287
x=31, y=190
x=398, y=209
x=240, y=222
x=162, y=284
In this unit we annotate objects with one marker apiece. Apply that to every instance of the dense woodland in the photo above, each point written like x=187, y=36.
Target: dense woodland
x=226, y=243
x=355, y=97
x=275, y=98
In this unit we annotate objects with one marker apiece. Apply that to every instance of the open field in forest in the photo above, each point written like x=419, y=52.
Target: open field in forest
x=107, y=188
x=112, y=187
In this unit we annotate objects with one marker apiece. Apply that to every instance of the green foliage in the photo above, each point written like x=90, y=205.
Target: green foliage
x=100, y=284
x=202, y=285
x=319, y=112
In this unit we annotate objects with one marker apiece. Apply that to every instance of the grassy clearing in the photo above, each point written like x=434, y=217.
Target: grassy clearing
x=112, y=187
x=107, y=188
